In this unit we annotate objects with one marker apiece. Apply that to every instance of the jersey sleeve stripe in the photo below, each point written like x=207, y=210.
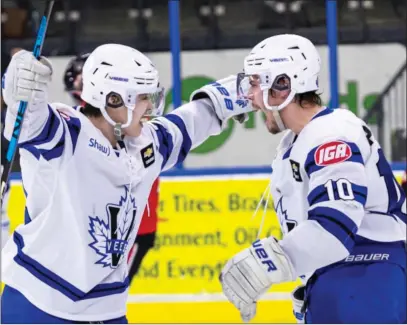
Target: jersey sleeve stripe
x=34, y=151
x=186, y=140
x=74, y=127
x=402, y=216
x=56, y=282
x=56, y=151
x=320, y=194
x=310, y=165
x=287, y=153
x=48, y=132
x=336, y=223
x=165, y=142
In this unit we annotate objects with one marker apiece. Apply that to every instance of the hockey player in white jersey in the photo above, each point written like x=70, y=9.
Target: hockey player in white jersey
x=87, y=175
x=342, y=212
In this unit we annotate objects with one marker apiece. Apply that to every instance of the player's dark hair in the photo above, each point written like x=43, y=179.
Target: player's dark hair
x=91, y=111
x=308, y=98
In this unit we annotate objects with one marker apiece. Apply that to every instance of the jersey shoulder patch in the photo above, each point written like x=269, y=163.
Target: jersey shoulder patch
x=332, y=152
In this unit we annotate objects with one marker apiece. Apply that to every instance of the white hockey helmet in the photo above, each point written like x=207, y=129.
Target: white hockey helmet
x=114, y=69
x=282, y=62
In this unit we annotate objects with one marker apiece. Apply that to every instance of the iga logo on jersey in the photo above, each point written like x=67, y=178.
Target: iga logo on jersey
x=332, y=153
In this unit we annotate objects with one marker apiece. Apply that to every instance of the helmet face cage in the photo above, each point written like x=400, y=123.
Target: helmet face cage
x=157, y=99
x=264, y=80
x=115, y=100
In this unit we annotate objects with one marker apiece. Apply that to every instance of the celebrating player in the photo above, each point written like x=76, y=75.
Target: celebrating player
x=341, y=210
x=87, y=175
x=148, y=227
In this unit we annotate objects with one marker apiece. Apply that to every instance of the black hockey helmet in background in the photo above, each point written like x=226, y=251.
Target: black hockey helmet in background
x=73, y=69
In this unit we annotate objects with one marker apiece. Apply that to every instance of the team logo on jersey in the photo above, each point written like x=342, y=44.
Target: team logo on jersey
x=93, y=143
x=147, y=155
x=332, y=153
x=295, y=167
x=286, y=224
x=110, y=239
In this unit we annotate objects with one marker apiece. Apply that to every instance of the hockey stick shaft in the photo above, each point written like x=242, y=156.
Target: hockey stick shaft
x=12, y=147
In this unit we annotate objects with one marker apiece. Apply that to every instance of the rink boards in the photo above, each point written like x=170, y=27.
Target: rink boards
x=204, y=220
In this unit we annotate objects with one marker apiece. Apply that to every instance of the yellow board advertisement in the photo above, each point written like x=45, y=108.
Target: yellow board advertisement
x=203, y=221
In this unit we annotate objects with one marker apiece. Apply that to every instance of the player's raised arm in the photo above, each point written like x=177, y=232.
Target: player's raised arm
x=43, y=131
x=191, y=124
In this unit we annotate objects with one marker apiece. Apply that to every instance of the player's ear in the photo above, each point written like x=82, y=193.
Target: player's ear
x=279, y=94
x=284, y=94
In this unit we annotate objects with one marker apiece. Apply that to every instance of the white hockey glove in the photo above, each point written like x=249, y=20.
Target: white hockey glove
x=26, y=79
x=224, y=98
x=250, y=273
x=297, y=297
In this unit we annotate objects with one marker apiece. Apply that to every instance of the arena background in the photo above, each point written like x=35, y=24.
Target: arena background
x=207, y=204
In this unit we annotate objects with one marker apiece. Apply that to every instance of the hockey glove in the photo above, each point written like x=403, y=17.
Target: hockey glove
x=297, y=297
x=26, y=79
x=224, y=98
x=250, y=273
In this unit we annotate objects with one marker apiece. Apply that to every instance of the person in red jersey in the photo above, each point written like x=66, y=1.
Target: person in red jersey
x=146, y=233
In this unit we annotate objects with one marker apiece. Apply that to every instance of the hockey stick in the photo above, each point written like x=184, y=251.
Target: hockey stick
x=12, y=147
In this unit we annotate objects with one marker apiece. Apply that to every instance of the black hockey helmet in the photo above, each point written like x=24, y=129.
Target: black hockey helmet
x=73, y=69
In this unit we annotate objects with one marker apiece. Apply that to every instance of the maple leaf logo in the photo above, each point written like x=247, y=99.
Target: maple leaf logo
x=111, y=238
x=286, y=224
x=99, y=231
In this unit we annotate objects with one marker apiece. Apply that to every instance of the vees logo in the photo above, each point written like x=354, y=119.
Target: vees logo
x=332, y=153
x=262, y=255
x=112, y=233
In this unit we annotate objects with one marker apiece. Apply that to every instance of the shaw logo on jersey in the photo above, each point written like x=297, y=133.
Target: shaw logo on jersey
x=332, y=153
x=111, y=238
x=93, y=143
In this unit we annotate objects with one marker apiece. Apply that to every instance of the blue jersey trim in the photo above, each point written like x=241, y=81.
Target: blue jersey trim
x=27, y=218
x=32, y=150
x=165, y=142
x=336, y=223
x=324, y=112
x=320, y=194
x=56, y=282
x=74, y=127
x=48, y=131
x=287, y=153
x=56, y=151
x=186, y=140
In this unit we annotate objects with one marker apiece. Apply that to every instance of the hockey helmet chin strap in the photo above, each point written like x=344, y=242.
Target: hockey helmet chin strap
x=276, y=109
x=117, y=130
x=267, y=192
x=278, y=120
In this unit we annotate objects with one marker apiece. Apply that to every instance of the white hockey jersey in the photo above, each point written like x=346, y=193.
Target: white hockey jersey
x=332, y=187
x=85, y=200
